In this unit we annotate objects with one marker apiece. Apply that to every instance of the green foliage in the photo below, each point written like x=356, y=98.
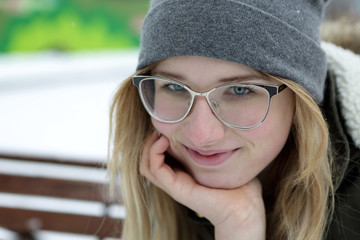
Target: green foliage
x=73, y=25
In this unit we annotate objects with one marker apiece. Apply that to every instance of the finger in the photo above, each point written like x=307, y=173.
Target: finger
x=157, y=152
x=153, y=159
x=176, y=182
x=145, y=156
x=161, y=171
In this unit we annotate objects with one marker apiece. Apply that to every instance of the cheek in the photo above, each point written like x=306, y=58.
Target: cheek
x=269, y=138
x=171, y=131
x=277, y=125
x=167, y=129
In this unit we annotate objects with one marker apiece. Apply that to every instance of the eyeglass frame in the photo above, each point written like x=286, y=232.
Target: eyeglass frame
x=271, y=89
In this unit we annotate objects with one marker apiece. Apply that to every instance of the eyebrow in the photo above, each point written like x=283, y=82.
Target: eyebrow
x=172, y=76
x=239, y=78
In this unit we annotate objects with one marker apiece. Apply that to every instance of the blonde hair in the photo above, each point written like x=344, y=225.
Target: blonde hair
x=305, y=193
x=300, y=204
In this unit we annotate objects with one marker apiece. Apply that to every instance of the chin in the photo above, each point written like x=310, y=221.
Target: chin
x=218, y=182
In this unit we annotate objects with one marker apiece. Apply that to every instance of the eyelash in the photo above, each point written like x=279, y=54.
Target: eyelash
x=170, y=85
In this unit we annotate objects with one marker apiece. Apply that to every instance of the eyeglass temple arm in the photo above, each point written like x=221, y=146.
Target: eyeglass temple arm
x=281, y=87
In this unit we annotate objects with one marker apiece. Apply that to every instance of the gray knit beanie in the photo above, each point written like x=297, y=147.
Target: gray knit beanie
x=280, y=37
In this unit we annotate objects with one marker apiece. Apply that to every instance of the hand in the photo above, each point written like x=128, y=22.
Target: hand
x=236, y=213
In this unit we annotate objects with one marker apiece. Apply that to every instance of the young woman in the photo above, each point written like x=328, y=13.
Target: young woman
x=235, y=127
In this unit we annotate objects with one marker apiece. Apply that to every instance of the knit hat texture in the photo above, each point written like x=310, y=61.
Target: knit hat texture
x=280, y=37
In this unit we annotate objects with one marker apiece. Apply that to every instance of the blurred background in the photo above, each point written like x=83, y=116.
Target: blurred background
x=60, y=64
x=63, y=25
x=60, y=60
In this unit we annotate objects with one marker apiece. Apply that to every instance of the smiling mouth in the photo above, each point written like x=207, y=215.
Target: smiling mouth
x=210, y=157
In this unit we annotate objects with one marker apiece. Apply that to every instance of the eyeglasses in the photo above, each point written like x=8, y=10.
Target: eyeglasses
x=237, y=105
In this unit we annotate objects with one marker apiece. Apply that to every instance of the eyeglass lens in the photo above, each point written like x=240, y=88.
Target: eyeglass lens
x=237, y=104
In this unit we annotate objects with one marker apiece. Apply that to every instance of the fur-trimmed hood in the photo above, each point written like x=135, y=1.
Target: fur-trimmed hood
x=345, y=65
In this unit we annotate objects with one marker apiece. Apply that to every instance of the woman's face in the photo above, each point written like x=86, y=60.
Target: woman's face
x=214, y=154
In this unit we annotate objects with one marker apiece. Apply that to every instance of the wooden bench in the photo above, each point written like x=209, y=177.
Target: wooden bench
x=26, y=222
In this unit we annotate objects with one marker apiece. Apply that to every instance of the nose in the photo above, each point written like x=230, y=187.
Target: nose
x=202, y=127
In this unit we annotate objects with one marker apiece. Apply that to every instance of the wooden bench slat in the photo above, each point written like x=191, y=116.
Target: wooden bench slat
x=26, y=221
x=22, y=220
x=43, y=159
x=54, y=187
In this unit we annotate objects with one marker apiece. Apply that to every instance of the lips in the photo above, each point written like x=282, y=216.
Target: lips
x=209, y=157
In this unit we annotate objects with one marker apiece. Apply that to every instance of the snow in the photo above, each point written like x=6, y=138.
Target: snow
x=58, y=105
x=49, y=204
x=53, y=170
x=48, y=235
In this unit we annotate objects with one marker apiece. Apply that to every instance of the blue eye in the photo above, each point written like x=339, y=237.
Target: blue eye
x=240, y=90
x=174, y=87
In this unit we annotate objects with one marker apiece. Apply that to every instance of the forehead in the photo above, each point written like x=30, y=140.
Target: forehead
x=203, y=72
